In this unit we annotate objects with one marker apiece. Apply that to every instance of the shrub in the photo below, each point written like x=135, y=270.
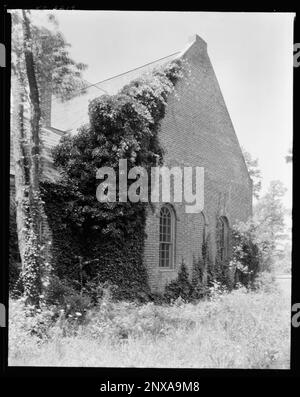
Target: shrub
x=65, y=297
x=265, y=282
x=180, y=287
x=221, y=273
x=217, y=290
x=246, y=254
x=26, y=320
x=199, y=289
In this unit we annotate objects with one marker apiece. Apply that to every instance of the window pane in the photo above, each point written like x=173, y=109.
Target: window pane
x=165, y=238
x=165, y=255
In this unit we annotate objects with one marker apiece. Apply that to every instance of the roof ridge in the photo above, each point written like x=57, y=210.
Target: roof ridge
x=129, y=71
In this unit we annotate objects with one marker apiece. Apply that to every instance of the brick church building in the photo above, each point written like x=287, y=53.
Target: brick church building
x=196, y=131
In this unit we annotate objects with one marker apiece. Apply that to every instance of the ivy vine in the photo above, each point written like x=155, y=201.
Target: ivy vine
x=108, y=237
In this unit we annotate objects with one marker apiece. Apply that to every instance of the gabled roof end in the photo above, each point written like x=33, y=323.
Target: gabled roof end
x=194, y=40
x=198, y=40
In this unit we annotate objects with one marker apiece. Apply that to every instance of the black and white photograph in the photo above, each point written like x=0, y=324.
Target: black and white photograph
x=150, y=190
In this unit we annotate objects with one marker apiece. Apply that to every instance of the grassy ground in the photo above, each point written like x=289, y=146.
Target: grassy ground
x=237, y=330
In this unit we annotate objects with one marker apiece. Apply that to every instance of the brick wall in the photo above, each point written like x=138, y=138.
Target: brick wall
x=197, y=131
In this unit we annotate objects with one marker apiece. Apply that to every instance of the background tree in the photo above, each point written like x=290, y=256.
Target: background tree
x=254, y=172
x=269, y=215
x=39, y=57
x=263, y=242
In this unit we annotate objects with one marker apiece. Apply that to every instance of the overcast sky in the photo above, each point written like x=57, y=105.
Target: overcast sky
x=252, y=55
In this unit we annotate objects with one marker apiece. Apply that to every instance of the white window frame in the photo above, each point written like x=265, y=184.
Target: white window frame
x=172, y=241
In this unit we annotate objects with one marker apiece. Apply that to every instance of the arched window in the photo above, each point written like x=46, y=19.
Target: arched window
x=223, y=238
x=166, y=237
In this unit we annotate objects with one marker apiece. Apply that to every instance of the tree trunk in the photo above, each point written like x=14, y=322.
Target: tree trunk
x=21, y=169
x=35, y=105
x=32, y=251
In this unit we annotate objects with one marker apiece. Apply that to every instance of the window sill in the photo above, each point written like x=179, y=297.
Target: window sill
x=167, y=269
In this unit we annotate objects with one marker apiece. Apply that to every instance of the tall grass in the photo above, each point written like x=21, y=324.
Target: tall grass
x=240, y=329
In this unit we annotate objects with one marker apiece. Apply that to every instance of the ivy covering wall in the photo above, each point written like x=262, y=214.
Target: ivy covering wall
x=95, y=241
